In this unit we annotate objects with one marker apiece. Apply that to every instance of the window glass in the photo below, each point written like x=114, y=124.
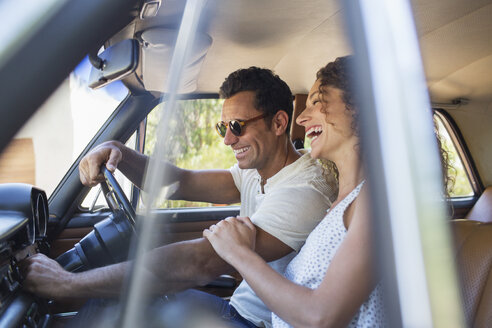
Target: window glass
x=307, y=143
x=459, y=185
x=45, y=148
x=198, y=144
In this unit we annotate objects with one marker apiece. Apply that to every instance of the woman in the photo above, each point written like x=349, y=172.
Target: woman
x=331, y=281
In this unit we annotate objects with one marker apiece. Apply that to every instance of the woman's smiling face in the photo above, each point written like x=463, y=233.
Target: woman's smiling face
x=327, y=121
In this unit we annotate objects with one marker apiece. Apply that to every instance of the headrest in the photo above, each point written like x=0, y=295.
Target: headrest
x=482, y=210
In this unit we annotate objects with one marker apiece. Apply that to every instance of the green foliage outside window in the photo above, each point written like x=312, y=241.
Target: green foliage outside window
x=461, y=186
x=196, y=144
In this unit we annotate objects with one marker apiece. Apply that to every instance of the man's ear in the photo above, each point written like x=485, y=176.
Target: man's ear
x=279, y=122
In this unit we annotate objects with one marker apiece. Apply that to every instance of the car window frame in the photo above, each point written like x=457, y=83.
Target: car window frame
x=140, y=142
x=463, y=152
x=176, y=210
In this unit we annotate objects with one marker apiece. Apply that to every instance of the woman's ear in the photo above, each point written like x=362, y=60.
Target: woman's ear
x=280, y=122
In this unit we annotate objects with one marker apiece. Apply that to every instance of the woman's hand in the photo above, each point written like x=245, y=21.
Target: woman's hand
x=232, y=236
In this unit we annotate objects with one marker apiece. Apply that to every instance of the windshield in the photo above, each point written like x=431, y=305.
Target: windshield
x=47, y=145
x=20, y=18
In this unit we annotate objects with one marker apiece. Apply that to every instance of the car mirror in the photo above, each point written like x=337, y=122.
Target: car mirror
x=116, y=62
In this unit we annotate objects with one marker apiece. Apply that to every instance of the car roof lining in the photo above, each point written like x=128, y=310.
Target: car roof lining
x=285, y=35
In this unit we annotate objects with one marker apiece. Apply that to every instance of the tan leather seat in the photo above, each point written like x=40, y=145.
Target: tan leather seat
x=473, y=242
x=473, y=246
x=482, y=210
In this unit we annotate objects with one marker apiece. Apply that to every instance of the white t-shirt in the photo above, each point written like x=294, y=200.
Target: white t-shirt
x=294, y=202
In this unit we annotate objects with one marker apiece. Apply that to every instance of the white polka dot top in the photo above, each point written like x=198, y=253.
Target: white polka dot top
x=309, y=267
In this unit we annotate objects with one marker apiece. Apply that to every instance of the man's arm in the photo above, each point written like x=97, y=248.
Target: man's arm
x=113, y=154
x=171, y=268
x=346, y=284
x=215, y=186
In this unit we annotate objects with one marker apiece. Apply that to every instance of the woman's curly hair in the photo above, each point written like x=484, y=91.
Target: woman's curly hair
x=338, y=74
x=448, y=171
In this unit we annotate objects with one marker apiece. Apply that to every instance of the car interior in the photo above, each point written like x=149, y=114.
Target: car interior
x=131, y=43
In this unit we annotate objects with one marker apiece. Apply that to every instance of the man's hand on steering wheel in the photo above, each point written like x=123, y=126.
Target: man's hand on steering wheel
x=97, y=167
x=108, y=153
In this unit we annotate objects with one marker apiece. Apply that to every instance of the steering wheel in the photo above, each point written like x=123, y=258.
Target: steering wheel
x=115, y=196
x=110, y=240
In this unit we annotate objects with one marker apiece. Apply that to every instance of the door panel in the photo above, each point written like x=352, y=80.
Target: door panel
x=67, y=239
x=173, y=225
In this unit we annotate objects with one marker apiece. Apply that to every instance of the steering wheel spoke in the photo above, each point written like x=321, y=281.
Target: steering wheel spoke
x=115, y=196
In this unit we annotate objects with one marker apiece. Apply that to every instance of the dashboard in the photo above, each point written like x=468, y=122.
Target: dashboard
x=23, y=222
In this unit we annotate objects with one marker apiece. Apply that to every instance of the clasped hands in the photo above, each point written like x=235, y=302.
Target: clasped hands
x=231, y=236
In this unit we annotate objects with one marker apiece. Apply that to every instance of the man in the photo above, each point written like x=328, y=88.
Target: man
x=284, y=194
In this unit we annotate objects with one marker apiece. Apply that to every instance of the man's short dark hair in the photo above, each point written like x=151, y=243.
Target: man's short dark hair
x=271, y=92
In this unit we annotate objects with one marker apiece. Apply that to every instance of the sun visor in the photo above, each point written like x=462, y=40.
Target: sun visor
x=157, y=51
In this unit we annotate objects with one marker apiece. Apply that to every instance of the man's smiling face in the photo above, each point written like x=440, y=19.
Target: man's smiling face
x=254, y=148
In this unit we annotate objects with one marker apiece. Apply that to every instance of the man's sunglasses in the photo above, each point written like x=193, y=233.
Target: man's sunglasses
x=235, y=125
